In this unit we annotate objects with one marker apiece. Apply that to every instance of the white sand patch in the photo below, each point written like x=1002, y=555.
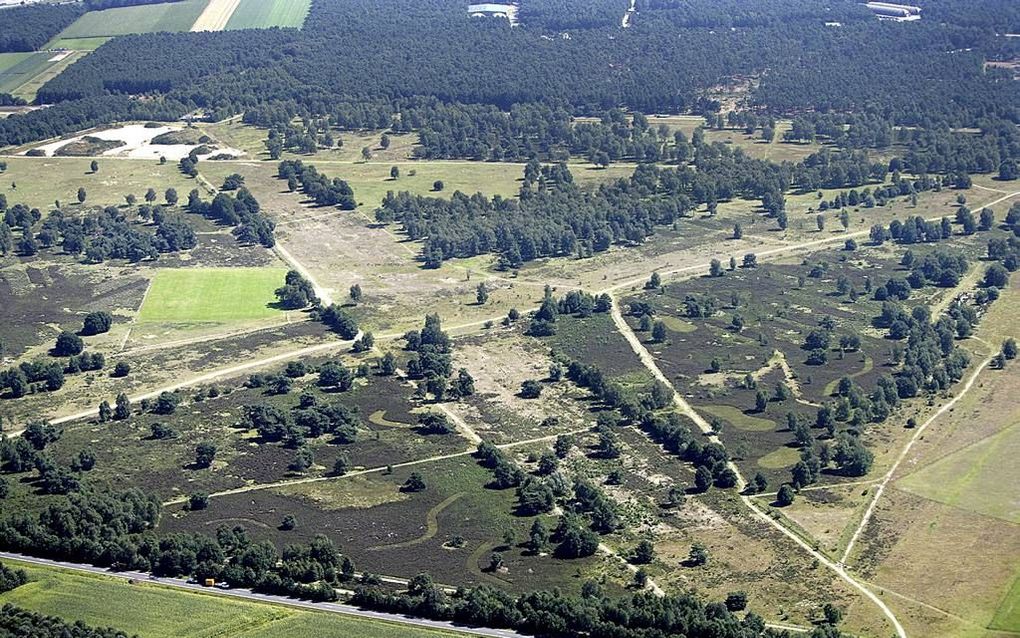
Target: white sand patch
x=138, y=144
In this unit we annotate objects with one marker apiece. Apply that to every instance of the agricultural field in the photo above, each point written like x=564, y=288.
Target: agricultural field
x=213, y=295
x=152, y=611
x=148, y=18
x=262, y=14
x=21, y=74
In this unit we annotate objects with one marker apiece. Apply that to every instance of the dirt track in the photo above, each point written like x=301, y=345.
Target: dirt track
x=216, y=15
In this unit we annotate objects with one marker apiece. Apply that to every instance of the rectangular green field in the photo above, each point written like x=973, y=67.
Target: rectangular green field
x=152, y=611
x=195, y=295
x=146, y=18
x=262, y=14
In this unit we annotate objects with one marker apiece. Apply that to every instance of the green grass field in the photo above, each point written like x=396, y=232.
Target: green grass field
x=973, y=478
x=38, y=181
x=17, y=69
x=8, y=60
x=190, y=295
x=151, y=611
x=1007, y=617
x=262, y=14
x=148, y=18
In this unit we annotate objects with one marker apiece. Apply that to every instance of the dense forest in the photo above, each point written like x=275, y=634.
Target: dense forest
x=563, y=15
x=666, y=61
x=30, y=27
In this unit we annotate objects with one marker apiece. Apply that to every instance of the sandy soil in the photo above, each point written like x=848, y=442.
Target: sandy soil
x=138, y=144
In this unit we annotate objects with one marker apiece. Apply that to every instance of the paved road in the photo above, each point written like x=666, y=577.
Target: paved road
x=337, y=608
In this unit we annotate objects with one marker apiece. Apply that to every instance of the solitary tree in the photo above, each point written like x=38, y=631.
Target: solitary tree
x=82, y=195
x=482, y=294
x=414, y=483
x=123, y=410
x=94, y=166
x=644, y=553
x=205, y=453
x=659, y=332
x=785, y=496
x=698, y=555
x=394, y=172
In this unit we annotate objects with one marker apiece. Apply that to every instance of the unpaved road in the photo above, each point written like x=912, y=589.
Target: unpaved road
x=689, y=411
x=903, y=454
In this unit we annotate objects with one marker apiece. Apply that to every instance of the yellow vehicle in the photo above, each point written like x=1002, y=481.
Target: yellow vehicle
x=209, y=582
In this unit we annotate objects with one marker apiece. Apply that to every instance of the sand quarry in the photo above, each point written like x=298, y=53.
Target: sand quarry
x=137, y=144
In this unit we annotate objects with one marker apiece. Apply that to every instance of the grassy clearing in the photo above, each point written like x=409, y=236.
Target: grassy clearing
x=739, y=419
x=38, y=181
x=780, y=458
x=148, y=18
x=211, y=294
x=262, y=14
x=151, y=611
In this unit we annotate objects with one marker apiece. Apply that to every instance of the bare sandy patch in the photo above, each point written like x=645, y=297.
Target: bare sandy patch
x=137, y=143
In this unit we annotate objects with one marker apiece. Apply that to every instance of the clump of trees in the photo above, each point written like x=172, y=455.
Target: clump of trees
x=319, y=188
x=296, y=292
x=240, y=210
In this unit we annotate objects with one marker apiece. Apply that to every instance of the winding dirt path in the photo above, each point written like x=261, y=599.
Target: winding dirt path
x=431, y=526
